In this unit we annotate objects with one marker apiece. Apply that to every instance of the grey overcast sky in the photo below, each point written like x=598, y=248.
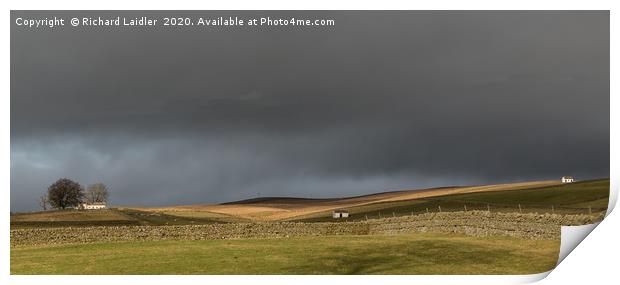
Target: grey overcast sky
x=381, y=101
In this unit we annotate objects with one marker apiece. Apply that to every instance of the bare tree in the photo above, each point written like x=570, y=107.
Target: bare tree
x=97, y=193
x=43, y=202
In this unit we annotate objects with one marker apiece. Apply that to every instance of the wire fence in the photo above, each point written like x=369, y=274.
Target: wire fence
x=454, y=206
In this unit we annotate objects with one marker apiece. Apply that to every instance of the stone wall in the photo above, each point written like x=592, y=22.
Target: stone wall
x=475, y=223
x=482, y=223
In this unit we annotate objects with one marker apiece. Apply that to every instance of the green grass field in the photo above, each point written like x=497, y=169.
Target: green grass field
x=573, y=198
x=394, y=254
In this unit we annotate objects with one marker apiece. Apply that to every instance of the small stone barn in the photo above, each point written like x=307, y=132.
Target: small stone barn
x=340, y=214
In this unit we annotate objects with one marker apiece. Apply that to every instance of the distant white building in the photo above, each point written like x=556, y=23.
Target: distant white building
x=340, y=214
x=92, y=206
x=567, y=179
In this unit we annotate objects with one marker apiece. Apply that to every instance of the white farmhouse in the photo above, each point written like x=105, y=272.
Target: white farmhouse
x=340, y=214
x=567, y=179
x=92, y=206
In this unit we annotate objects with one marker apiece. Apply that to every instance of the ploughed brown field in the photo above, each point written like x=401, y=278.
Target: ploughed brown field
x=279, y=209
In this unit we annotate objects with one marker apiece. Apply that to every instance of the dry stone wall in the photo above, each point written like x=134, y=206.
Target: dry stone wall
x=481, y=223
x=475, y=223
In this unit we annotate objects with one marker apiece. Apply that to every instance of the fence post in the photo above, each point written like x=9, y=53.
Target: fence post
x=412, y=213
x=427, y=210
x=488, y=208
x=552, y=210
x=439, y=208
x=366, y=217
x=393, y=215
x=590, y=210
x=379, y=215
x=465, y=207
x=519, y=208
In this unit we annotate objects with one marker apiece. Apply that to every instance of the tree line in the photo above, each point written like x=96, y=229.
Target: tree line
x=66, y=193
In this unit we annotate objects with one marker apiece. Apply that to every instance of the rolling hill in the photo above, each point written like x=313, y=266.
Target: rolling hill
x=538, y=196
x=575, y=198
x=285, y=208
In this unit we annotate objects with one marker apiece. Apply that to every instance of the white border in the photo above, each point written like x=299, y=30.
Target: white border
x=572, y=269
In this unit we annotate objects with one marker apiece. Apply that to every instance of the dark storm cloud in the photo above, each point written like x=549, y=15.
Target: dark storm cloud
x=381, y=101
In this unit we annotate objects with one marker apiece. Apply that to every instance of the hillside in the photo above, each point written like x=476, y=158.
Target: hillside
x=539, y=196
x=574, y=198
x=281, y=208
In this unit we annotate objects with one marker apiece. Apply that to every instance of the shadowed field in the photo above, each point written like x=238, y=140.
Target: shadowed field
x=62, y=218
x=420, y=253
x=116, y=217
